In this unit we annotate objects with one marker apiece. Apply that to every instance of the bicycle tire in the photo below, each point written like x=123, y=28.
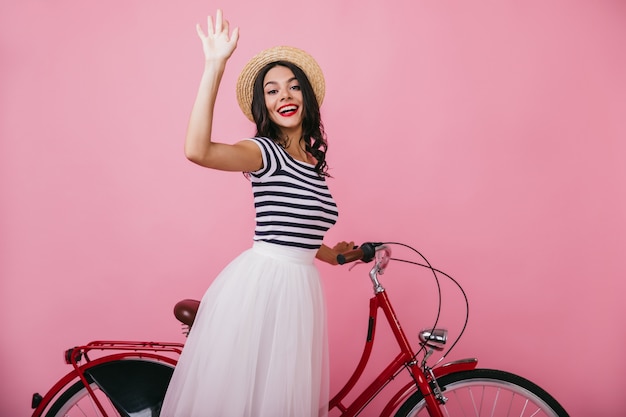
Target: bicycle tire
x=122, y=387
x=487, y=392
x=75, y=401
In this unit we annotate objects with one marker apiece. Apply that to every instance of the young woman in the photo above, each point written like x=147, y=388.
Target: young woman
x=258, y=346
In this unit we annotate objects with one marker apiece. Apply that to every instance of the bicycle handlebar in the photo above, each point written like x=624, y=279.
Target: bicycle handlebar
x=366, y=252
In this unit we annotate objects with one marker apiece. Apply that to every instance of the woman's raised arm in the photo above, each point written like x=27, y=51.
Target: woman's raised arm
x=218, y=45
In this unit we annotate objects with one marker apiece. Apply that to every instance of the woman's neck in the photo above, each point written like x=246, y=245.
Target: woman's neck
x=297, y=150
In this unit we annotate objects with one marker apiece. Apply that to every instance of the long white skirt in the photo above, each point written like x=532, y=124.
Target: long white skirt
x=258, y=346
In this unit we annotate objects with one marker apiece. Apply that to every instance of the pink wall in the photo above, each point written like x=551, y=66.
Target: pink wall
x=489, y=135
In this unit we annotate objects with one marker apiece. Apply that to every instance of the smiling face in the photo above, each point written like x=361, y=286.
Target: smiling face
x=283, y=100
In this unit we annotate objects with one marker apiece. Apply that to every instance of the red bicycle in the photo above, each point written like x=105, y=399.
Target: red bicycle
x=130, y=378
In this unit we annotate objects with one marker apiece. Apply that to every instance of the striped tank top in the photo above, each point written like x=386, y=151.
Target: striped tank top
x=293, y=204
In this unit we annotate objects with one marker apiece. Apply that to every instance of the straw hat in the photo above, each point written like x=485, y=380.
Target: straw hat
x=303, y=60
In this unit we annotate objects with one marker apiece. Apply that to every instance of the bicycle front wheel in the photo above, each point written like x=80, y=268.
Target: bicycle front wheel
x=487, y=392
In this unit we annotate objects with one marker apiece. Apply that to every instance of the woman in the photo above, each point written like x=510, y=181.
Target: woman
x=258, y=346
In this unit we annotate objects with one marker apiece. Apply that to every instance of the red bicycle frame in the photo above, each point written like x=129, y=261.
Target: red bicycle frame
x=405, y=359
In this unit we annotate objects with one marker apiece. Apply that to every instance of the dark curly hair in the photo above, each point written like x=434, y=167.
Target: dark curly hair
x=313, y=133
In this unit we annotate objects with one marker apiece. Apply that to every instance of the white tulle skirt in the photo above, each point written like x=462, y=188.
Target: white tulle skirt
x=258, y=346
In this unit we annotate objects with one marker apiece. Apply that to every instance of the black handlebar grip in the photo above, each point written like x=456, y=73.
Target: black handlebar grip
x=365, y=253
x=350, y=256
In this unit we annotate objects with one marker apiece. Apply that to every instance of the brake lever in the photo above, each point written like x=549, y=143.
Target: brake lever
x=355, y=264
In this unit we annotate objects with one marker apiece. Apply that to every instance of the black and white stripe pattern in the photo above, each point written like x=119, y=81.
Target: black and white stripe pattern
x=293, y=204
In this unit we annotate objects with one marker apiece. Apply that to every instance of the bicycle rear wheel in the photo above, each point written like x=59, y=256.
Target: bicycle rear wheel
x=76, y=401
x=487, y=392
x=122, y=387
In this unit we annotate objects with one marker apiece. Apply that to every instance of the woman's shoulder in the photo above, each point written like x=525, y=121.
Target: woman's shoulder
x=269, y=153
x=266, y=144
x=263, y=140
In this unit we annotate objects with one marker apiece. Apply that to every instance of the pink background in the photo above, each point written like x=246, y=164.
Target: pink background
x=489, y=135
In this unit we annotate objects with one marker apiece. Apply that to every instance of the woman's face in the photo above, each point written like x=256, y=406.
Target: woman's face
x=283, y=99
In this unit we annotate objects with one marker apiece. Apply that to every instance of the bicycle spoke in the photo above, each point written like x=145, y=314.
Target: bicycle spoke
x=81, y=410
x=495, y=403
x=535, y=413
x=524, y=409
x=510, y=410
x=471, y=393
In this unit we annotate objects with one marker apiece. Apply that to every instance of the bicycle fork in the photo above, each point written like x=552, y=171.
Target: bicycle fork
x=425, y=380
x=423, y=376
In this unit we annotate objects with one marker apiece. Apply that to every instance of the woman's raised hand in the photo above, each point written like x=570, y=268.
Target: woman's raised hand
x=217, y=43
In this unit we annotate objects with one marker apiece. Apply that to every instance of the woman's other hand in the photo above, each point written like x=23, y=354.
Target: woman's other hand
x=329, y=255
x=343, y=247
